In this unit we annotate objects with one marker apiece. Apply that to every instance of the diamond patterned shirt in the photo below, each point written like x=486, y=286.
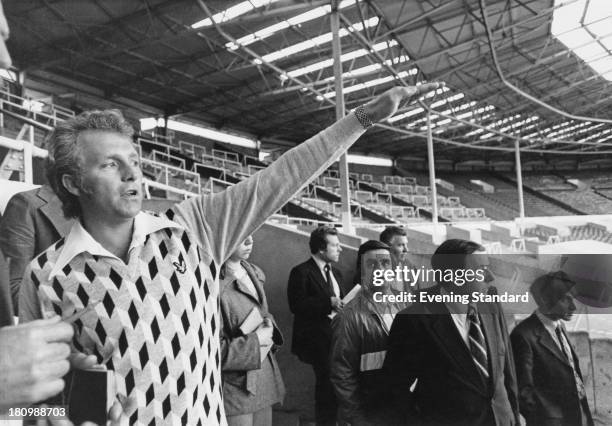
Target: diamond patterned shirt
x=155, y=320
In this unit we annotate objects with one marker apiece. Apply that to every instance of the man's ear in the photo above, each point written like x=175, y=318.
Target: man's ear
x=69, y=183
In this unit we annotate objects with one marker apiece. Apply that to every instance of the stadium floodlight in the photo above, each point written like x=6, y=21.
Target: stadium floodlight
x=179, y=126
x=368, y=160
x=343, y=58
x=584, y=27
x=318, y=41
x=232, y=12
x=287, y=23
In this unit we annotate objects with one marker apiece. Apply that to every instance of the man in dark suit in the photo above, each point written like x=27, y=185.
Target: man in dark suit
x=32, y=221
x=314, y=293
x=449, y=362
x=551, y=389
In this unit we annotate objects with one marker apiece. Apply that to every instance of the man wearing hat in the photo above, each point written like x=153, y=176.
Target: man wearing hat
x=551, y=388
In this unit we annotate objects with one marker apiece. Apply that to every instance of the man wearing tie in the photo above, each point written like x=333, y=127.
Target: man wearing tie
x=551, y=389
x=450, y=362
x=314, y=292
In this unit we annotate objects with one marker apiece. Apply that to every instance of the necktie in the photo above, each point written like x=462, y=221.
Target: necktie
x=476, y=339
x=562, y=342
x=330, y=285
x=565, y=348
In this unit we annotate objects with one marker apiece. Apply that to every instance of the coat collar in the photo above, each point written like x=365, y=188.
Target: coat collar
x=546, y=340
x=450, y=342
x=52, y=209
x=239, y=286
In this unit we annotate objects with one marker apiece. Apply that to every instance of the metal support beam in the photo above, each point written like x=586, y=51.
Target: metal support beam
x=519, y=178
x=345, y=195
x=27, y=157
x=432, y=175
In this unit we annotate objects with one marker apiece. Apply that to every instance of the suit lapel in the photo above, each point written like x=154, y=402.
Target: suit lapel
x=317, y=277
x=546, y=340
x=52, y=209
x=256, y=282
x=450, y=342
x=574, y=356
x=490, y=331
x=338, y=281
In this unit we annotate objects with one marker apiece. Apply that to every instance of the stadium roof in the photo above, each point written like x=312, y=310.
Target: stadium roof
x=264, y=67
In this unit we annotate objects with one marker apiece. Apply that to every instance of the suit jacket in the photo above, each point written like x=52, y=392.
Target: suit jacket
x=424, y=344
x=547, y=387
x=32, y=221
x=310, y=302
x=248, y=383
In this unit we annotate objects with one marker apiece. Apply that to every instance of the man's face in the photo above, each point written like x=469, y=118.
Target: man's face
x=563, y=309
x=399, y=247
x=478, y=262
x=111, y=179
x=332, y=251
x=379, y=259
x=244, y=249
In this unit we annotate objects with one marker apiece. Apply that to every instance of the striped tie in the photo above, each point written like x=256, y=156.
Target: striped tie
x=478, y=347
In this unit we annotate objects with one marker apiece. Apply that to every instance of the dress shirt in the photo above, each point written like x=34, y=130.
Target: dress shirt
x=459, y=318
x=321, y=264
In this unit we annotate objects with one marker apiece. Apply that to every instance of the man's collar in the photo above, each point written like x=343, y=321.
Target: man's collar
x=320, y=262
x=547, y=322
x=454, y=307
x=80, y=241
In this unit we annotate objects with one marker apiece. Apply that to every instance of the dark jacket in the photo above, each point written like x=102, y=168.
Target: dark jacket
x=32, y=221
x=359, y=346
x=6, y=307
x=310, y=302
x=424, y=344
x=248, y=383
x=547, y=387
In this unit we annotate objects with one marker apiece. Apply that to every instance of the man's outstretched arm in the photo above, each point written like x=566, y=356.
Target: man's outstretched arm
x=225, y=219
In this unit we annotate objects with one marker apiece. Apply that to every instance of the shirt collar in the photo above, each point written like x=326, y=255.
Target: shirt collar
x=80, y=241
x=547, y=322
x=456, y=309
x=320, y=263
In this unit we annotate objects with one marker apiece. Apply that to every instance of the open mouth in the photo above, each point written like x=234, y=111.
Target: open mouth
x=131, y=193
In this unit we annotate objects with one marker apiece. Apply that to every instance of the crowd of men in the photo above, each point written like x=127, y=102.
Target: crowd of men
x=98, y=283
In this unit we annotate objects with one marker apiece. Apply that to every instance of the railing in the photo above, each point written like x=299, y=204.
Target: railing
x=168, y=158
x=224, y=155
x=148, y=184
x=193, y=150
x=172, y=176
x=39, y=110
x=162, y=147
x=254, y=169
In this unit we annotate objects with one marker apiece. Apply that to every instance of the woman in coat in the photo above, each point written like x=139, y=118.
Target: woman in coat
x=252, y=381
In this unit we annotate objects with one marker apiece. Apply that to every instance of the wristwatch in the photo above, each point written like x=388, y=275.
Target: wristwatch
x=363, y=118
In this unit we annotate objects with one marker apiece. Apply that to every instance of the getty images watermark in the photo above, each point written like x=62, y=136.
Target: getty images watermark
x=497, y=279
